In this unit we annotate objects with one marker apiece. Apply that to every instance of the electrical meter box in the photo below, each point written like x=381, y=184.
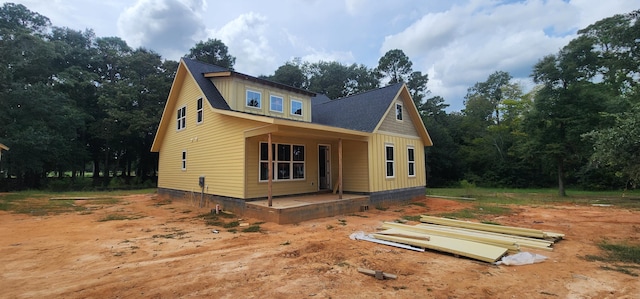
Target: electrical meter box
x=201, y=182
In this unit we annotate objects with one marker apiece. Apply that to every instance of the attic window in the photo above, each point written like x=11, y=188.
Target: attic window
x=398, y=111
x=296, y=107
x=182, y=118
x=275, y=103
x=254, y=99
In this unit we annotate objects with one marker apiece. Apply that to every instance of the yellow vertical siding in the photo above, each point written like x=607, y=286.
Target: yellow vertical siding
x=234, y=91
x=355, y=166
x=377, y=167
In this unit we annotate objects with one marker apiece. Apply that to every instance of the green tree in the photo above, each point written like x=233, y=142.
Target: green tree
x=395, y=66
x=290, y=74
x=212, y=51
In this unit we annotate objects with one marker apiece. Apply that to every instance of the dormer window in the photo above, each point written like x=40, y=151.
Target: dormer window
x=275, y=104
x=254, y=99
x=296, y=108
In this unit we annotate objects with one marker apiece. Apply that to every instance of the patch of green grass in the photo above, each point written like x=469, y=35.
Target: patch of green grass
x=420, y=204
x=163, y=202
x=252, y=229
x=286, y=243
x=212, y=219
x=381, y=208
x=231, y=224
x=477, y=211
x=116, y=217
x=618, y=253
x=329, y=226
x=342, y=222
x=625, y=199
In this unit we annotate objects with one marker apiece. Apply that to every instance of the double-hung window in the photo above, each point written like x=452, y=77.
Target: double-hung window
x=389, y=160
x=200, y=111
x=288, y=161
x=184, y=160
x=411, y=160
x=182, y=118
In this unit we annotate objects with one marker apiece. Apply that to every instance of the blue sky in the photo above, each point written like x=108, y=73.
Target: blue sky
x=458, y=43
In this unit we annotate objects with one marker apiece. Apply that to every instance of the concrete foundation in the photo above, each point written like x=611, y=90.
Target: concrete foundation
x=294, y=209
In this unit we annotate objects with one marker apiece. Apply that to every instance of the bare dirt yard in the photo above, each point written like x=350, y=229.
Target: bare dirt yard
x=147, y=247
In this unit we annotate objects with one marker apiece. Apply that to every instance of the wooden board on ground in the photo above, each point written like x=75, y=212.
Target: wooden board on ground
x=470, y=249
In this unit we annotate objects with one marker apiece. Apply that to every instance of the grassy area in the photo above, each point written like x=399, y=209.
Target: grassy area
x=614, y=254
x=627, y=199
x=38, y=202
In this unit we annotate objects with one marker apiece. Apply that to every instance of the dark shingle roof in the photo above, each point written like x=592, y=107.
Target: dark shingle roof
x=198, y=69
x=360, y=112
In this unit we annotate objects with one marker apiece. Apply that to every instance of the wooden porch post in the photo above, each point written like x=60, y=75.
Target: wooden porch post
x=340, y=168
x=270, y=169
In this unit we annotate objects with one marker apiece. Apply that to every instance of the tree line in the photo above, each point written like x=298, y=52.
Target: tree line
x=72, y=103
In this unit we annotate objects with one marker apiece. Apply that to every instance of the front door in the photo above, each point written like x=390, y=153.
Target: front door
x=324, y=167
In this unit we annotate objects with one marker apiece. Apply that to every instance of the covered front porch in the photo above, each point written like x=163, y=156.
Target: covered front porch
x=295, y=209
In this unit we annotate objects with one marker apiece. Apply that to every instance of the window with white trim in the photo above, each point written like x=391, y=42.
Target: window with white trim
x=398, y=111
x=184, y=160
x=200, y=111
x=411, y=160
x=296, y=107
x=288, y=162
x=276, y=103
x=182, y=118
x=254, y=99
x=389, y=160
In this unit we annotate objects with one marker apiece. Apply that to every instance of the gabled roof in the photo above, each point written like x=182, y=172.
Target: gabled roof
x=198, y=69
x=360, y=112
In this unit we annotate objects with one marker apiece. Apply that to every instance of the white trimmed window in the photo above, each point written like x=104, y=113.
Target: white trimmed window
x=296, y=107
x=411, y=160
x=288, y=162
x=182, y=118
x=200, y=111
x=389, y=160
x=398, y=111
x=184, y=160
x=254, y=99
x=275, y=103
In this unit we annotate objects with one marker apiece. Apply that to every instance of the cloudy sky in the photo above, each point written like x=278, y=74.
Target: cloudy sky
x=458, y=43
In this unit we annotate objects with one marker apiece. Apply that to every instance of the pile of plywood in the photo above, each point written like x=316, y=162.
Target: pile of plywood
x=484, y=242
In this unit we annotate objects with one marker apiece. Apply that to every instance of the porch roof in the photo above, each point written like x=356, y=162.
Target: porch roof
x=295, y=128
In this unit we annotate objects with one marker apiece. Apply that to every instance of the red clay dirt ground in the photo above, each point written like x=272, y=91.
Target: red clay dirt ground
x=166, y=251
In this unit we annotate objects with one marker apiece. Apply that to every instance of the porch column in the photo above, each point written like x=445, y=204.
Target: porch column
x=270, y=170
x=340, y=168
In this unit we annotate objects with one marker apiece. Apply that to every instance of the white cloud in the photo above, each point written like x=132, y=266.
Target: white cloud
x=169, y=27
x=245, y=36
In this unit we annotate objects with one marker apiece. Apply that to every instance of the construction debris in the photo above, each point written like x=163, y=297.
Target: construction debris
x=484, y=242
x=377, y=274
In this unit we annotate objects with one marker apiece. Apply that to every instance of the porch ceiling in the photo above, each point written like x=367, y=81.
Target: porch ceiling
x=293, y=131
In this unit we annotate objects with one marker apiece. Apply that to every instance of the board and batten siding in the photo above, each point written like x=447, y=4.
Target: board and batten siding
x=377, y=168
x=355, y=166
x=215, y=149
x=234, y=90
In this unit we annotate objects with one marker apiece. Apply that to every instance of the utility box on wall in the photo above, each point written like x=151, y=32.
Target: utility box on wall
x=201, y=182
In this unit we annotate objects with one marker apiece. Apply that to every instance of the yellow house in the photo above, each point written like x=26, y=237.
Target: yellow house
x=234, y=138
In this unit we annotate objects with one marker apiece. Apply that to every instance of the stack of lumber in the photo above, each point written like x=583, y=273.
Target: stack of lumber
x=484, y=242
